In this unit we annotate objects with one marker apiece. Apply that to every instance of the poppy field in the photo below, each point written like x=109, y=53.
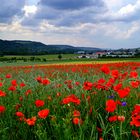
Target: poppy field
x=70, y=102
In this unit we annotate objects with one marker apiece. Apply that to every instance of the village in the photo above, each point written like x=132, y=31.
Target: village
x=121, y=53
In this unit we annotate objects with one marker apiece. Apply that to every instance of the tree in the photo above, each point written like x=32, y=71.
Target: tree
x=59, y=56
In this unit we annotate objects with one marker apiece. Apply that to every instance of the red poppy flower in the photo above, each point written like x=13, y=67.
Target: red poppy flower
x=124, y=92
x=110, y=83
x=14, y=82
x=77, y=83
x=87, y=85
x=76, y=113
x=113, y=118
x=117, y=87
x=1, y=84
x=105, y=69
x=134, y=84
x=110, y=105
x=100, y=84
x=118, y=102
x=8, y=76
x=66, y=100
x=43, y=113
x=2, y=108
x=12, y=88
x=31, y=121
x=2, y=94
x=136, y=116
x=133, y=74
x=76, y=121
x=71, y=98
x=39, y=79
x=136, y=110
x=19, y=114
x=135, y=121
x=28, y=92
x=99, y=130
x=39, y=103
x=115, y=73
x=22, y=84
x=45, y=81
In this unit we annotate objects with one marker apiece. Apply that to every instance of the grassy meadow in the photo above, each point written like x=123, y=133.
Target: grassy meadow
x=70, y=99
x=14, y=60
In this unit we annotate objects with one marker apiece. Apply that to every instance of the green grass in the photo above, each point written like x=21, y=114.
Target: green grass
x=58, y=125
x=49, y=56
x=64, y=56
x=53, y=59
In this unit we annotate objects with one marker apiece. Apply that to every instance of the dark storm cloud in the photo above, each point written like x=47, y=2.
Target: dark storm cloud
x=67, y=12
x=70, y=4
x=74, y=12
x=77, y=17
x=9, y=9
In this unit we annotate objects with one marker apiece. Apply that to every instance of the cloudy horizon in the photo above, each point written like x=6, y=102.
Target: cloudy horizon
x=110, y=24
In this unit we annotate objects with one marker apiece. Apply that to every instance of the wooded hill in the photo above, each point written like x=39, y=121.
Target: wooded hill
x=19, y=47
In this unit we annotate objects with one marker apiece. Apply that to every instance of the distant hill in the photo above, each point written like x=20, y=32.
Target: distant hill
x=90, y=49
x=20, y=47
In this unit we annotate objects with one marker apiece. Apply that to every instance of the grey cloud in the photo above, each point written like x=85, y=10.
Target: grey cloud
x=69, y=12
x=48, y=13
x=74, y=12
x=9, y=9
x=70, y=4
x=43, y=13
x=30, y=21
x=78, y=17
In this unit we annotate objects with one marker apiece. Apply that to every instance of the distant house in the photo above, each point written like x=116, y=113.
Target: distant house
x=121, y=53
x=81, y=52
x=80, y=56
x=92, y=56
x=100, y=54
x=83, y=56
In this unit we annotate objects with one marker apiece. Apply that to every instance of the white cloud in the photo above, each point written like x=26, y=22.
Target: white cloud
x=126, y=10
x=127, y=13
x=86, y=27
x=113, y=4
x=119, y=33
x=30, y=9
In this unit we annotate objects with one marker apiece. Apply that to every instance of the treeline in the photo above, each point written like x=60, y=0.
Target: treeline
x=24, y=59
x=27, y=53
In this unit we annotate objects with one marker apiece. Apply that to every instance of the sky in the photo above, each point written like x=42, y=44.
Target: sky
x=110, y=24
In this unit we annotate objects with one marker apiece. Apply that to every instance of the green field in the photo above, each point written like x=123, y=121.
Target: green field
x=70, y=102
x=53, y=59
x=50, y=56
